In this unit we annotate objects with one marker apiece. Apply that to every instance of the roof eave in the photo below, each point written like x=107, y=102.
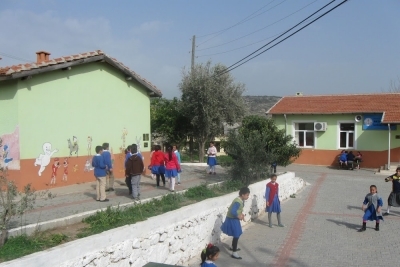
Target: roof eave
x=44, y=69
x=152, y=91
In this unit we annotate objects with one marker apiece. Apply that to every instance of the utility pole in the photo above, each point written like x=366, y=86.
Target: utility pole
x=193, y=49
x=192, y=73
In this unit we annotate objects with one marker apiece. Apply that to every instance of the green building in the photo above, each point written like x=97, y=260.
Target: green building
x=55, y=112
x=324, y=125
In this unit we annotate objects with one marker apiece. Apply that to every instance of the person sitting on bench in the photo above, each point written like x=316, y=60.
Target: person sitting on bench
x=343, y=158
x=358, y=159
x=350, y=160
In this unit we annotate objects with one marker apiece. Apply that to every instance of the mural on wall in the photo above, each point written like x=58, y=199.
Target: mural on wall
x=6, y=157
x=88, y=166
x=9, y=151
x=89, y=145
x=123, y=137
x=44, y=159
x=65, y=166
x=75, y=168
x=73, y=146
x=54, y=169
x=138, y=143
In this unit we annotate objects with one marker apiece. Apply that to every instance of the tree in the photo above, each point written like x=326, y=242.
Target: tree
x=395, y=86
x=255, y=146
x=13, y=203
x=168, y=121
x=209, y=100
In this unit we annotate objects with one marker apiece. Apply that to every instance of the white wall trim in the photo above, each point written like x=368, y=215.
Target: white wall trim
x=315, y=132
x=338, y=133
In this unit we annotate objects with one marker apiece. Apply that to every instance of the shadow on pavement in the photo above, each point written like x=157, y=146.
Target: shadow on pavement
x=347, y=224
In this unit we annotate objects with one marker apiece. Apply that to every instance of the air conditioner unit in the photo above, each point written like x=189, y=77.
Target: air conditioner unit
x=320, y=126
x=358, y=118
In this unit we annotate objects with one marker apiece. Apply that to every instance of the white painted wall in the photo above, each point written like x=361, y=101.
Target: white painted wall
x=170, y=238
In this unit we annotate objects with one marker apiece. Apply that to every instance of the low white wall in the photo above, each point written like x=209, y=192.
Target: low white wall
x=171, y=238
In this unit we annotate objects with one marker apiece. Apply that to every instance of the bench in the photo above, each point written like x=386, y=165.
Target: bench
x=350, y=165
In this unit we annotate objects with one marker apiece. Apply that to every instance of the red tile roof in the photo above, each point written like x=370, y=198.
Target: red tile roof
x=11, y=72
x=386, y=103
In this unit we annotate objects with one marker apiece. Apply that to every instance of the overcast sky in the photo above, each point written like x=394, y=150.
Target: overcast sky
x=353, y=49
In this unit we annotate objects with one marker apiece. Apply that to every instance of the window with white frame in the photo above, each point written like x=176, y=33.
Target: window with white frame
x=346, y=135
x=304, y=134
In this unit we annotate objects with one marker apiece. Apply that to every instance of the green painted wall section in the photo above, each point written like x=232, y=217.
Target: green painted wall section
x=8, y=107
x=89, y=100
x=373, y=140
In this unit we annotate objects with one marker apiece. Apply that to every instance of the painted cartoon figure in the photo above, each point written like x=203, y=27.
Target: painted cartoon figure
x=89, y=145
x=54, y=169
x=6, y=159
x=73, y=146
x=138, y=143
x=44, y=159
x=65, y=165
x=87, y=166
x=124, y=134
x=75, y=167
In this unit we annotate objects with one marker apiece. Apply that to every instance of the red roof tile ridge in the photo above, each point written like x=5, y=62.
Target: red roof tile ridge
x=346, y=95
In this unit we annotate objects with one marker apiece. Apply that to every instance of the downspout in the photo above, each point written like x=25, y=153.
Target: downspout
x=389, y=150
x=285, y=124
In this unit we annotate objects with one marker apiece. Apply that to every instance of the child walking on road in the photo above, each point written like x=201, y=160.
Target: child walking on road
x=231, y=225
x=394, y=197
x=209, y=255
x=272, y=201
x=172, y=167
x=372, y=207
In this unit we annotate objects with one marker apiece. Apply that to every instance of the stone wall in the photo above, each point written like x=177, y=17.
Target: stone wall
x=171, y=238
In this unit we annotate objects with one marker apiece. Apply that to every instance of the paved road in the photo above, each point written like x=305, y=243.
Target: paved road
x=321, y=226
x=80, y=198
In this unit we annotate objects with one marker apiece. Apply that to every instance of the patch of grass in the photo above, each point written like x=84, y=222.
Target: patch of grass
x=200, y=192
x=22, y=245
x=112, y=218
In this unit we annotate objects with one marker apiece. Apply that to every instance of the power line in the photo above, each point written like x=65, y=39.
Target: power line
x=230, y=68
x=236, y=23
x=242, y=21
x=15, y=57
x=238, y=47
x=259, y=29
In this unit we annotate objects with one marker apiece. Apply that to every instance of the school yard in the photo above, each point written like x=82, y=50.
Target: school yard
x=321, y=226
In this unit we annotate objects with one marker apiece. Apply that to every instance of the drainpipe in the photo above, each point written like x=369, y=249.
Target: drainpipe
x=389, y=149
x=285, y=124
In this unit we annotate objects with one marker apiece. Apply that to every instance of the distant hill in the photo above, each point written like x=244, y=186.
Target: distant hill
x=258, y=105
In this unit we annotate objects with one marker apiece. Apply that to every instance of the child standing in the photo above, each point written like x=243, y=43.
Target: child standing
x=172, y=167
x=133, y=169
x=212, y=158
x=107, y=159
x=209, y=255
x=157, y=165
x=100, y=174
x=372, y=207
x=178, y=156
x=128, y=154
x=272, y=200
x=231, y=225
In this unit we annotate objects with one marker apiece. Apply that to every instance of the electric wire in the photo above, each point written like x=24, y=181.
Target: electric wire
x=242, y=21
x=230, y=68
x=14, y=57
x=238, y=23
x=258, y=30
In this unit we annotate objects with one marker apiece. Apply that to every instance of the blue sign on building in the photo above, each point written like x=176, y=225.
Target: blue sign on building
x=373, y=122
